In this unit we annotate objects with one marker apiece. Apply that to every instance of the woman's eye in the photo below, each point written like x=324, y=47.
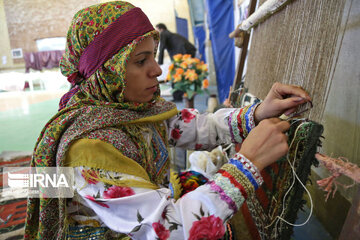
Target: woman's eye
x=141, y=62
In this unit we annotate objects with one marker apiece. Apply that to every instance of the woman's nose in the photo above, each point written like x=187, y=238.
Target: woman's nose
x=156, y=71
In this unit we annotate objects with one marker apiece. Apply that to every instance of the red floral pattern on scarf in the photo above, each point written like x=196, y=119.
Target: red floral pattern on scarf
x=90, y=176
x=118, y=192
x=161, y=231
x=210, y=228
x=186, y=115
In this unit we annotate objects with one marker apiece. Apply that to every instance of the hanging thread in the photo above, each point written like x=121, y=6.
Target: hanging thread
x=295, y=177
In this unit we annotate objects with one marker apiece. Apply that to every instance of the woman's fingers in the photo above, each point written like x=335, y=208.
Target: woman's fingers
x=285, y=90
x=283, y=126
x=267, y=142
x=291, y=102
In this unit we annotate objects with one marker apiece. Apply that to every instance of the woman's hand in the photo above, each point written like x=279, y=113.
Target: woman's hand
x=266, y=143
x=281, y=99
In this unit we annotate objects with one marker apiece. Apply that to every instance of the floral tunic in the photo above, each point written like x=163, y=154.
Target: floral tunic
x=145, y=211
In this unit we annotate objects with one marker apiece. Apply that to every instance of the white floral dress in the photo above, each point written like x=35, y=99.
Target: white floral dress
x=152, y=212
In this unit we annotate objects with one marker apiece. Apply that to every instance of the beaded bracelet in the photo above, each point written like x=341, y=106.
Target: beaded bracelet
x=250, y=166
x=247, y=173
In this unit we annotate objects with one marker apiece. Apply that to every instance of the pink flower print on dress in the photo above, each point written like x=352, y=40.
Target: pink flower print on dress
x=118, y=192
x=210, y=228
x=198, y=146
x=161, y=231
x=176, y=133
x=91, y=198
x=186, y=115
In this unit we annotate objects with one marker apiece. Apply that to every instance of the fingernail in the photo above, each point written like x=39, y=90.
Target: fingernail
x=298, y=99
x=288, y=112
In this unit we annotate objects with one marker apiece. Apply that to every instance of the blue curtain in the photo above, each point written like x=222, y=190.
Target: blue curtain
x=221, y=23
x=200, y=38
x=182, y=27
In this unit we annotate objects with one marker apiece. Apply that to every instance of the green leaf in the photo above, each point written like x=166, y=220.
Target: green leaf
x=190, y=93
x=137, y=228
x=197, y=216
x=201, y=211
x=139, y=217
x=174, y=226
x=97, y=195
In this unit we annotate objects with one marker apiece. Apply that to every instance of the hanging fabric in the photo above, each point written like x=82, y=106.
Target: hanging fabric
x=220, y=14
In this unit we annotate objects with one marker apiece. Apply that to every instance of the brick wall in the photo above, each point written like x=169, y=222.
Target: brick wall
x=28, y=20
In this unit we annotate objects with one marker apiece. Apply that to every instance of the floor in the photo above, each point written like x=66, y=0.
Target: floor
x=24, y=113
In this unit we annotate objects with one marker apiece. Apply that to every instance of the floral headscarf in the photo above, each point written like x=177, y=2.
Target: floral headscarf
x=107, y=83
x=95, y=107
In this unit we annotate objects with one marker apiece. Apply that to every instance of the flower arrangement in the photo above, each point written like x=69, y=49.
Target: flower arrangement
x=188, y=75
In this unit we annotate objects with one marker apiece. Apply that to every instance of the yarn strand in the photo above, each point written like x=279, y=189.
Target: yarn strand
x=295, y=176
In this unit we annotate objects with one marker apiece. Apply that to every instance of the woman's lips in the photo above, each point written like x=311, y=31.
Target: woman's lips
x=152, y=89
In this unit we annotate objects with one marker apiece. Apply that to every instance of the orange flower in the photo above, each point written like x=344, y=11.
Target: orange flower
x=202, y=66
x=177, y=78
x=179, y=71
x=205, y=83
x=186, y=56
x=168, y=77
x=185, y=95
x=191, y=75
x=171, y=67
x=184, y=65
x=177, y=57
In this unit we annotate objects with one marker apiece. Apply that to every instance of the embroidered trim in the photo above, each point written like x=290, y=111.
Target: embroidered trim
x=234, y=182
x=247, y=173
x=230, y=126
x=251, y=167
x=223, y=195
x=229, y=189
x=240, y=177
x=241, y=122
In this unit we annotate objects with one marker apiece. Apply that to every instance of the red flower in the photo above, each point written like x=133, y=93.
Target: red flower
x=118, y=192
x=91, y=198
x=176, y=133
x=90, y=179
x=198, y=146
x=91, y=23
x=186, y=115
x=163, y=214
x=161, y=231
x=210, y=228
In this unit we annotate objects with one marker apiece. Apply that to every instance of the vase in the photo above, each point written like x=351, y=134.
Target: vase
x=212, y=103
x=189, y=103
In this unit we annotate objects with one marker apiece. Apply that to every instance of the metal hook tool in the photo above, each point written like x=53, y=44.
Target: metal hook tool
x=301, y=109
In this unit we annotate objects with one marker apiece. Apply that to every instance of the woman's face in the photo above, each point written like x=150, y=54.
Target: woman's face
x=142, y=71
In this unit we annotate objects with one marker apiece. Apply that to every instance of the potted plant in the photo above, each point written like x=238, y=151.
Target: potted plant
x=189, y=76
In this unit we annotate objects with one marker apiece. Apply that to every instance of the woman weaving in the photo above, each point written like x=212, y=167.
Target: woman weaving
x=113, y=128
